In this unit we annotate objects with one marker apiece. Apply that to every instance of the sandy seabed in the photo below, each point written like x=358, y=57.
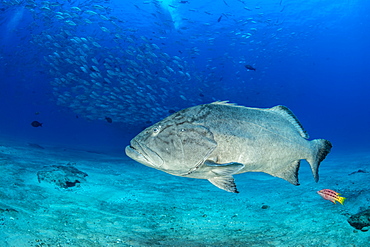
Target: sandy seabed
x=123, y=203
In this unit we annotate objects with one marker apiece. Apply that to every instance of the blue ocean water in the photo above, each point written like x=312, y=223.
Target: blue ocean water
x=310, y=56
x=95, y=73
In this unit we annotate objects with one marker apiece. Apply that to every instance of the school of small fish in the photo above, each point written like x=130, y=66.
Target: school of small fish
x=101, y=66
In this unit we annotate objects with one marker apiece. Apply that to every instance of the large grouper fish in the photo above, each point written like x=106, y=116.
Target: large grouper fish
x=215, y=141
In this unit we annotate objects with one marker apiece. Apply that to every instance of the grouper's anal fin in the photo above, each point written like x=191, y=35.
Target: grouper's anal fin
x=288, y=172
x=223, y=175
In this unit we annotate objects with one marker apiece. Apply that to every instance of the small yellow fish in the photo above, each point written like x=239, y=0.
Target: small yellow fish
x=331, y=195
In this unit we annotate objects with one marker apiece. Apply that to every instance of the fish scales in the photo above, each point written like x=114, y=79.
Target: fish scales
x=218, y=140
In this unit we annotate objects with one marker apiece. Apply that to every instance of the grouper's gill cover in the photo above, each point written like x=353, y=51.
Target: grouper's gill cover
x=180, y=147
x=218, y=140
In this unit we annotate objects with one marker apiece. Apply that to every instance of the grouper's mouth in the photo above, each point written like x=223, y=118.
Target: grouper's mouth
x=143, y=155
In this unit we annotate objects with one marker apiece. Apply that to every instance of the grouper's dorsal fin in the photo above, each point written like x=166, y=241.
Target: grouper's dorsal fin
x=226, y=103
x=288, y=114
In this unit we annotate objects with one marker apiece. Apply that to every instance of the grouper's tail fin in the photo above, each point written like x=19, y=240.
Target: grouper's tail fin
x=320, y=148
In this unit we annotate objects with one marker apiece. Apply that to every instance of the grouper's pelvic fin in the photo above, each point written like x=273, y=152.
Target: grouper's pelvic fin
x=225, y=183
x=223, y=175
x=320, y=148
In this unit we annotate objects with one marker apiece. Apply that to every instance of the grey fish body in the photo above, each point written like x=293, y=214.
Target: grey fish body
x=215, y=141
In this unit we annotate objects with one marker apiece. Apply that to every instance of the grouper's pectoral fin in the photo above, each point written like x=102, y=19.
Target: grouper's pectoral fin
x=223, y=175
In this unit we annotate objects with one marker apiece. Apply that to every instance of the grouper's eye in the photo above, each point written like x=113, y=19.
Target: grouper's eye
x=156, y=130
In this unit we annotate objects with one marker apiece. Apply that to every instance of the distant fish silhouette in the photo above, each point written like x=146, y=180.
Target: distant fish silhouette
x=249, y=67
x=358, y=171
x=35, y=145
x=109, y=120
x=36, y=124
